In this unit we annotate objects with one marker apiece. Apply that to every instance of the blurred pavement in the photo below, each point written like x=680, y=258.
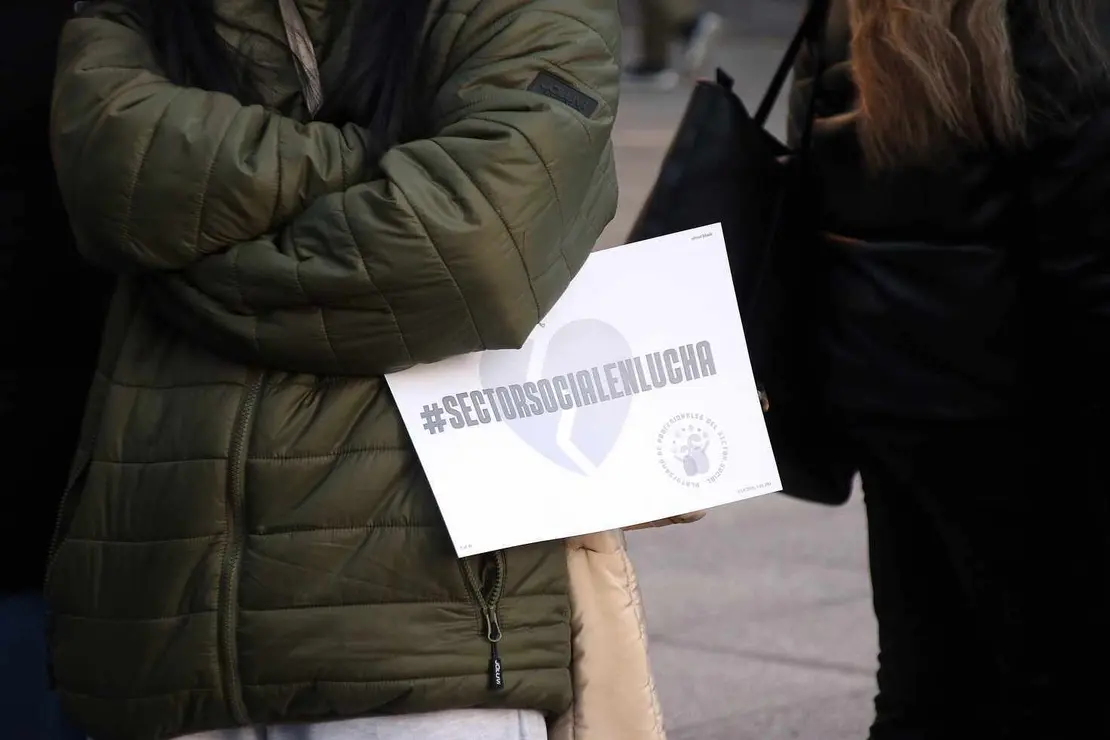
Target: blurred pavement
x=759, y=616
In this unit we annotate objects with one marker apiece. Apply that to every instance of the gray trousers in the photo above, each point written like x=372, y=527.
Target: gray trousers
x=660, y=22
x=470, y=724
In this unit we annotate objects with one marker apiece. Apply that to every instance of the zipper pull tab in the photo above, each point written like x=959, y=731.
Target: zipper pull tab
x=493, y=635
x=496, y=677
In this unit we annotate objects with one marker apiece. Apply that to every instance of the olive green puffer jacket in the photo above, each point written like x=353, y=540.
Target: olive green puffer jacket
x=248, y=536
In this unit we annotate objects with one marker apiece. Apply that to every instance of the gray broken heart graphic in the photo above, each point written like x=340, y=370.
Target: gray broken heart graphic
x=596, y=428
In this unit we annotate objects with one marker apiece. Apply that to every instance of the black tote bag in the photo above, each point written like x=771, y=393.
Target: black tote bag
x=724, y=166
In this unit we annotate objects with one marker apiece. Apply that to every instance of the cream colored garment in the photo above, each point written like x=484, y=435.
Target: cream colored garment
x=614, y=692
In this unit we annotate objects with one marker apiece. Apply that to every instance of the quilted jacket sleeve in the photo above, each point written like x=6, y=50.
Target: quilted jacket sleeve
x=156, y=176
x=465, y=240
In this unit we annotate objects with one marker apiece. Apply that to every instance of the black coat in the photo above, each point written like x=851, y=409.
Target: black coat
x=973, y=290
x=51, y=304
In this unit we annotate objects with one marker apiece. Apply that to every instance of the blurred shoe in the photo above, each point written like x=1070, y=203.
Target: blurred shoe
x=698, y=39
x=650, y=77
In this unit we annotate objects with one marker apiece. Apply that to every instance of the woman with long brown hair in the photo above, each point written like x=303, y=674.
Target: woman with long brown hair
x=960, y=165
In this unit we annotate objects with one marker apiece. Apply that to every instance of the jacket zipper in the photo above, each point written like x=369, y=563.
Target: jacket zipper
x=62, y=514
x=60, y=517
x=233, y=550
x=489, y=600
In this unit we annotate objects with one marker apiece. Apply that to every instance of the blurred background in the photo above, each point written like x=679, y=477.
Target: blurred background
x=751, y=17
x=751, y=43
x=760, y=615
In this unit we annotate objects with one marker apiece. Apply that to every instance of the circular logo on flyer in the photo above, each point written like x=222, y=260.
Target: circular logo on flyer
x=692, y=450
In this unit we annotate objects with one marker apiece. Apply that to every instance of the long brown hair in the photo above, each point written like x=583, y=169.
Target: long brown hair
x=935, y=76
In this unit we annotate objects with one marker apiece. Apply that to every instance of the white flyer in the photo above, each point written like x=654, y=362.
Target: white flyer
x=633, y=401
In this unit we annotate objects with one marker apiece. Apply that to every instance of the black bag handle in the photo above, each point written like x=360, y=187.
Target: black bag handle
x=810, y=29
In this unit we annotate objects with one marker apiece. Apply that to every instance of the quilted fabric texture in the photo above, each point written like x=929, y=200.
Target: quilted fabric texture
x=249, y=537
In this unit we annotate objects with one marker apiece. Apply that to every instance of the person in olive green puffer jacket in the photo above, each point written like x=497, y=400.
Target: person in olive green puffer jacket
x=248, y=537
